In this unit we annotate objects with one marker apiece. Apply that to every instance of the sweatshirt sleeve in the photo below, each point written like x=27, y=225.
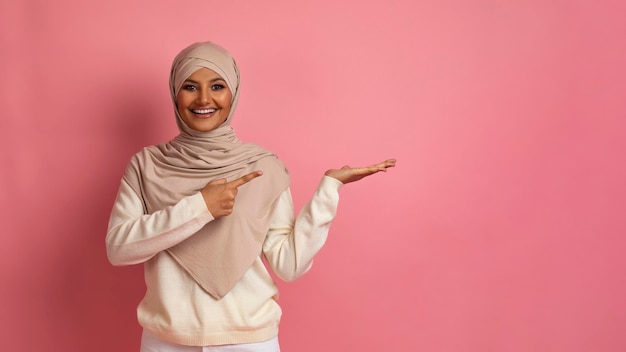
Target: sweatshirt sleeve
x=134, y=237
x=292, y=243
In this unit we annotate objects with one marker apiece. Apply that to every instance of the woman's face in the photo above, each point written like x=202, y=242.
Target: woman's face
x=203, y=100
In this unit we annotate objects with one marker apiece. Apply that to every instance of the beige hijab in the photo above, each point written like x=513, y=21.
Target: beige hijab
x=220, y=253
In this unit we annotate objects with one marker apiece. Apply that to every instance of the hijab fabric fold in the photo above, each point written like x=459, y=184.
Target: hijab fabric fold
x=219, y=254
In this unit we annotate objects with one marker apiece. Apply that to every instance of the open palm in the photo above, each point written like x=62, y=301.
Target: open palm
x=349, y=174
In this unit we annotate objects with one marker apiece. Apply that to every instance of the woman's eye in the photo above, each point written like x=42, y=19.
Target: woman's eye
x=189, y=87
x=217, y=87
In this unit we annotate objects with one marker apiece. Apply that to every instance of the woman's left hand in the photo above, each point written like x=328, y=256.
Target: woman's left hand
x=349, y=174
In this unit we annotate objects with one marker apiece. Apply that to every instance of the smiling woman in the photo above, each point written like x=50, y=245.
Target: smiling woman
x=203, y=210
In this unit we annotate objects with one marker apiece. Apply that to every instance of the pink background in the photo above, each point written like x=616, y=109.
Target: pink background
x=502, y=228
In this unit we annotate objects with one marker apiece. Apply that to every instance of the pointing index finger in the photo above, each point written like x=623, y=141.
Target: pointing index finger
x=245, y=179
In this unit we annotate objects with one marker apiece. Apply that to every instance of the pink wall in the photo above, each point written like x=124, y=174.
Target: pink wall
x=501, y=229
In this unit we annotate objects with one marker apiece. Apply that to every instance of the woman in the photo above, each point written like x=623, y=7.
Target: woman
x=202, y=210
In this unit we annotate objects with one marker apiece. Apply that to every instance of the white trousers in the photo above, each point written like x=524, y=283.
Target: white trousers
x=151, y=343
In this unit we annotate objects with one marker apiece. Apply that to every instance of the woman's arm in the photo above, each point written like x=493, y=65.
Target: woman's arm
x=291, y=244
x=134, y=237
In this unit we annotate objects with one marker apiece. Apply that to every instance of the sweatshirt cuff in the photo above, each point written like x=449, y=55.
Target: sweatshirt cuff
x=330, y=183
x=198, y=208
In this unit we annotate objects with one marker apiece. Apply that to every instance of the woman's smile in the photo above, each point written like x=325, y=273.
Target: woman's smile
x=203, y=113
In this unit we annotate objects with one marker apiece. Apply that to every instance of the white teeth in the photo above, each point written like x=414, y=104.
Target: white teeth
x=206, y=111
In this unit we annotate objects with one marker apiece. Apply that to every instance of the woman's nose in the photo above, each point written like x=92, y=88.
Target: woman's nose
x=204, y=96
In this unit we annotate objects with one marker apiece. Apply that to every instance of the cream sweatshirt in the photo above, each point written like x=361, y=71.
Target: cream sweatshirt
x=175, y=308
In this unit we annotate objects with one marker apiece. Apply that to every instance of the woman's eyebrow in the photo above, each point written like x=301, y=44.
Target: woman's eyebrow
x=212, y=80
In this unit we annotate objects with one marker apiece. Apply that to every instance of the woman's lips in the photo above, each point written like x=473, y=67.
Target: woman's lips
x=203, y=113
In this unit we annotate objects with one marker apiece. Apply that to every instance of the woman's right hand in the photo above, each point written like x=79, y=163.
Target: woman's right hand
x=219, y=195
